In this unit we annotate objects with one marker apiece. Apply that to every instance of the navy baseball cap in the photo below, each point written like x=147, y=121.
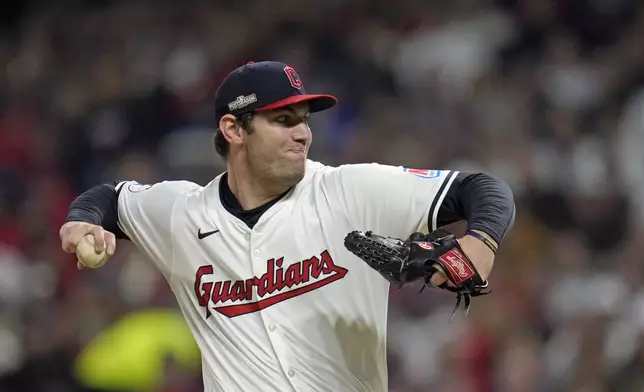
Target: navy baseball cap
x=262, y=86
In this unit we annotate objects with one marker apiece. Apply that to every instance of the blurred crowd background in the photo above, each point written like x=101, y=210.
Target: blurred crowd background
x=546, y=94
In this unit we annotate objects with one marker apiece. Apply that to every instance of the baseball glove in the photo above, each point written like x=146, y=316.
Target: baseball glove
x=419, y=257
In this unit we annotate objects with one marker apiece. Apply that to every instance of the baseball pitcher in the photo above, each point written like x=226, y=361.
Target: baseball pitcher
x=281, y=265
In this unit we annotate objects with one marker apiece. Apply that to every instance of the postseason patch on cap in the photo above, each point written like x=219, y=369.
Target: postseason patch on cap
x=241, y=102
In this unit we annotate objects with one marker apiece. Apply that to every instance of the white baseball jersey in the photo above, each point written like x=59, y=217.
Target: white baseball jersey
x=284, y=306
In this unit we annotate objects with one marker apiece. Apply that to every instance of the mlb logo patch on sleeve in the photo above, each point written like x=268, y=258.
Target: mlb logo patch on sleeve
x=423, y=173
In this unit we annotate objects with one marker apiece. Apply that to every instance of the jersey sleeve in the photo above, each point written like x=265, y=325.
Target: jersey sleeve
x=145, y=215
x=391, y=200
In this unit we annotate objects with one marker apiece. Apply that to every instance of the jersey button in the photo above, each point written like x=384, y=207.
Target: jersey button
x=291, y=373
x=257, y=251
x=272, y=327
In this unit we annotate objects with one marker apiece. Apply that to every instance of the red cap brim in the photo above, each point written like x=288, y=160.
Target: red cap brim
x=317, y=102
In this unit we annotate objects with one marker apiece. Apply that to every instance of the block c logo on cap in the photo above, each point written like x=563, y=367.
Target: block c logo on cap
x=293, y=77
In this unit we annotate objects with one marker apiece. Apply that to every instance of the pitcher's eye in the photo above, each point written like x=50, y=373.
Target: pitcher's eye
x=288, y=121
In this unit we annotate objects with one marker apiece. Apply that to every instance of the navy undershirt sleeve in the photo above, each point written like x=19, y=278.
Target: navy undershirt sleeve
x=485, y=202
x=98, y=206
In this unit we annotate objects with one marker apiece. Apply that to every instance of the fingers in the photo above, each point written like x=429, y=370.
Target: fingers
x=438, y=278
x=71, y=233
x=68, y=246
x=110, y=243
x=64, y=235
x=69, y=239
x=99, y=238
